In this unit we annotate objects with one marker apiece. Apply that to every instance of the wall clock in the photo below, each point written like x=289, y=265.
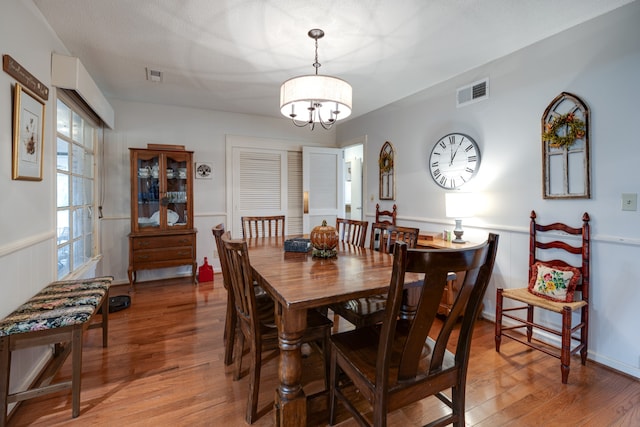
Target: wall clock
x=454, y=160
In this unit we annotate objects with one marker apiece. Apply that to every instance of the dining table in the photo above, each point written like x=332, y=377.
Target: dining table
x=298, y=282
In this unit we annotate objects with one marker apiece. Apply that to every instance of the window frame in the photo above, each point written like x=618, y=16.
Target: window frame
x=86, y=237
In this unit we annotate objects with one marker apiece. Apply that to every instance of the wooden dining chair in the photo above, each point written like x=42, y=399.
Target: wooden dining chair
x=263, y=300
x=263, y=226
x=402, y=361
x=559, y=283
x=257, y=326
x=396, y=233
x=352, y=231
x=370, y=310
x=386, y=217
x=230, y=316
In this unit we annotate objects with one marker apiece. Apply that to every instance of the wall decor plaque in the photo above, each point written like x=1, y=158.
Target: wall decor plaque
x=565, y=149
x=18, y=72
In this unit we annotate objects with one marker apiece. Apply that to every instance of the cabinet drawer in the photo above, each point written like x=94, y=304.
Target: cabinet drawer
x=162, y=242
x=163, y=254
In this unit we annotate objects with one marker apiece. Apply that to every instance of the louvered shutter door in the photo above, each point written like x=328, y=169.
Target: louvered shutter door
x=294, y=189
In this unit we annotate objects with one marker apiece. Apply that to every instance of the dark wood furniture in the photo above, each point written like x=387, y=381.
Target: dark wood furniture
x=370, y=310
x=263, y=226
x=352, y=231
x=435, y=241
x=403, y=361
x=386, y=217
x=230, y=319
x=58, y=315
x=396, y=233
x=264, y=302
x=256, y=323
x=162, y=232
x=554, y=250
x=300, y=283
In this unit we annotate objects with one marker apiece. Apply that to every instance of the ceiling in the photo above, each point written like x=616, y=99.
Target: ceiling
x=232, y=55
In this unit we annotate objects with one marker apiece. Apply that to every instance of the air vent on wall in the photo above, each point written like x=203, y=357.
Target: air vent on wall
x=154, y=76
x=476, y=91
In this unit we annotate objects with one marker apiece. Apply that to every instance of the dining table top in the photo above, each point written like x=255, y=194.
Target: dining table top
x=301, y=281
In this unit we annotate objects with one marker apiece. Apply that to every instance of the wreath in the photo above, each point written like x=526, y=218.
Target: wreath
x=573, y=129
x=386, y=162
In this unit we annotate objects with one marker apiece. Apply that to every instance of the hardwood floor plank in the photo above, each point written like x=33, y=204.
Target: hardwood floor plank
x=164, y=367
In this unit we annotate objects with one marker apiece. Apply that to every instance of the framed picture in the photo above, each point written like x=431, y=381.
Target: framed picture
x=28, y=135
x=204, y=170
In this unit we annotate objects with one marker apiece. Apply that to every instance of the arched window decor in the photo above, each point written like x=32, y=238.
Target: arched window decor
x=387, y=172
x=565, y=149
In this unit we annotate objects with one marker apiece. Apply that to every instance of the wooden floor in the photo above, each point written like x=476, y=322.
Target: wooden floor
x=164, y=367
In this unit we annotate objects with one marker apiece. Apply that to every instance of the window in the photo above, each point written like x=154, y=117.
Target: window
x=75, y=164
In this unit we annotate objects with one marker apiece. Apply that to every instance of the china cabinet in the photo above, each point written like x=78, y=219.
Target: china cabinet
x=162, y=233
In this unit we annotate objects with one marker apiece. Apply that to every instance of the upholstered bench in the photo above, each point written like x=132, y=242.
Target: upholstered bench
x=57, y=315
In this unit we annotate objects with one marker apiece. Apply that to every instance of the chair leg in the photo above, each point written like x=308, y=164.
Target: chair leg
x=326, y=356
x=229, y=330
x=565, y=352
x=333, y=382
x=239, y=348
x=254, y=383
x=584, y=334
x=498, y=325
x=530, y=320
x=457, y=405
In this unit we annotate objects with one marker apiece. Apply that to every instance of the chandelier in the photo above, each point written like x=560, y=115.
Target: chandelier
x=312, y=99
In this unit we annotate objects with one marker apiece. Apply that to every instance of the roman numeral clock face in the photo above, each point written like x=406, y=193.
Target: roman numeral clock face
x=454, y=160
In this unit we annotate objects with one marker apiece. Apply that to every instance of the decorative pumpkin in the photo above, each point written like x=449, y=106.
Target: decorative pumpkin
x=324, y=237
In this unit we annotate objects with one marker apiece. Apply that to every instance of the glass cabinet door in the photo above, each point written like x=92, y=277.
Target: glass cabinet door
x=175, y=197
x=148, y=189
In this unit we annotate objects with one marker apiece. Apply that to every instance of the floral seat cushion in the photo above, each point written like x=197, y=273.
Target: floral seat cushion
x=60, y=304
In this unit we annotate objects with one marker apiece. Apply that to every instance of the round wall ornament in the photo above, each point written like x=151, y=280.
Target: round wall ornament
x=563, y=130
x=386, y=162
x=454, y=160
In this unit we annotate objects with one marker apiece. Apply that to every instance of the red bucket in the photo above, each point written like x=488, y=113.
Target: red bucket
x=205, y=273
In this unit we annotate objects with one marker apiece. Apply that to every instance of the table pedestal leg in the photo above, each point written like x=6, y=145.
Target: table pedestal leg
x=290, y=401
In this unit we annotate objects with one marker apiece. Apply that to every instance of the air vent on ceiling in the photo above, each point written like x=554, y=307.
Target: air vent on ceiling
x=476, y=91
x=154, y=76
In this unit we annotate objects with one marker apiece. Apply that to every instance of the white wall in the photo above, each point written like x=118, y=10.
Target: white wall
x=27, y=231
x=201, y=131
x=598, y=61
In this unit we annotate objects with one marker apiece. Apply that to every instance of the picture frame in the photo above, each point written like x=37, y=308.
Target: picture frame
x=204, y=170
x=28, y=135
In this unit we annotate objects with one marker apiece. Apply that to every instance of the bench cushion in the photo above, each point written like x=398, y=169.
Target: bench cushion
x=62, y=303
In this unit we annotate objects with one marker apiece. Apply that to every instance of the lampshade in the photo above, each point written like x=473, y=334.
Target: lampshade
x=328, y=95
x=459, y=205
x=312, y=99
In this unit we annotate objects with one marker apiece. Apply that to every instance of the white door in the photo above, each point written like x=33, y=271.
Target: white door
x=356, y=189
x=322, y=186
x=257, y=183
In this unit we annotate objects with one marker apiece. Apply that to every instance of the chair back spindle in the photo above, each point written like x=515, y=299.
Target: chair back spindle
x=263, y=226
x=352, y=231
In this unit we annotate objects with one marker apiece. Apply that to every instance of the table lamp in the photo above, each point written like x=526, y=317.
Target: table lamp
x=459, y=205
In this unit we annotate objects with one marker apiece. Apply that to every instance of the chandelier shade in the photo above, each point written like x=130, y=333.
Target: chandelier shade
x=315, y=98
x=330, y=96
